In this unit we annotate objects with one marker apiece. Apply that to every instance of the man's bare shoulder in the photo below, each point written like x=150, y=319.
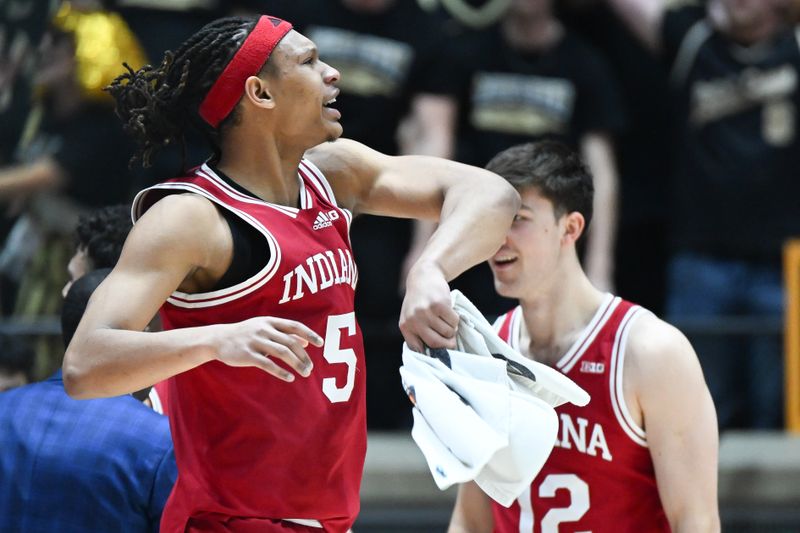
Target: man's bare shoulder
x=180, y=223
x=182, y=213
x=334, y=158
x=656, y=347
x=350, y=167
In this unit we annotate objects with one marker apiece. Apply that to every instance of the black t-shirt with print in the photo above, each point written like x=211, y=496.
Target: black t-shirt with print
x=384, y=59
x=736, y=187
x=509, y=97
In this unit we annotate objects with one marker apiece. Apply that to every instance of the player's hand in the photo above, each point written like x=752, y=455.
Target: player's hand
x=427, y=317
x=257, y=341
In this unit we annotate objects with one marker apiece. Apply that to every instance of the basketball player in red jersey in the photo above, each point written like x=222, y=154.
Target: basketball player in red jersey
x=248, y=258
x=642, y=455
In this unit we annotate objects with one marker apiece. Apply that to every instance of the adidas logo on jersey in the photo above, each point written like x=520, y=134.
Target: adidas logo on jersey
x=325, y=220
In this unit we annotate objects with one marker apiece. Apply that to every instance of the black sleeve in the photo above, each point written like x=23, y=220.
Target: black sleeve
x=675, y=25
x=463, y=54
x=432, y=70
x=598, y=105
x=250, y=252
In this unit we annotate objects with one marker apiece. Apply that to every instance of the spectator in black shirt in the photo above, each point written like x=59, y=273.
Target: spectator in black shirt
x=530, y=78
x=735, y=70
x=643, y=151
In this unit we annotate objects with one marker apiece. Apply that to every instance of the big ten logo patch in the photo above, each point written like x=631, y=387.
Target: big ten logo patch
x=592, y=367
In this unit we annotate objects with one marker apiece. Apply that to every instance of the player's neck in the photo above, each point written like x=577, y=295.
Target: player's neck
x=553, y=319
x=264, y=168
x=531, y=34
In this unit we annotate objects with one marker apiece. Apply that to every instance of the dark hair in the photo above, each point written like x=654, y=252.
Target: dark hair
x=158, y=104
x=102, y=233
x=553, y=168
x=76, y=301
x=16, y=355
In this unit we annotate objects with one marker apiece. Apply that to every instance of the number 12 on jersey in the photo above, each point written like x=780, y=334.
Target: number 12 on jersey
x=579, y=503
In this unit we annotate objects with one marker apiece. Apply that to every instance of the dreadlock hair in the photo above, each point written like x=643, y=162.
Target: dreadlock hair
x=158, y=104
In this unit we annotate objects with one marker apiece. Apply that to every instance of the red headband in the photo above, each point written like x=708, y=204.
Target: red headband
x=248, y=60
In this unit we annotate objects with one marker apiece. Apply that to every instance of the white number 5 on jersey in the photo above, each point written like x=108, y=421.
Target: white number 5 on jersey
x=335, y=354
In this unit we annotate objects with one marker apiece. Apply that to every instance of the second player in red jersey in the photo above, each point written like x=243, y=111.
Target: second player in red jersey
x=642, y=455
x=601, y=455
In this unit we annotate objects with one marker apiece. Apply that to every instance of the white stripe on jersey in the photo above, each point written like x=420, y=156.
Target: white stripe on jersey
x=620, y=407
x=579, y=347
x=319, y=180
x=209, y=174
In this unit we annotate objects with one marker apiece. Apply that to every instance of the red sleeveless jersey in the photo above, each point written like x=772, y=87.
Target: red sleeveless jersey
x=599, y=477
x=249, y=445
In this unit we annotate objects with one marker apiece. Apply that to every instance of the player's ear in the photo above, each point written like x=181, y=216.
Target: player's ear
x=574, y=224
x=258, y=93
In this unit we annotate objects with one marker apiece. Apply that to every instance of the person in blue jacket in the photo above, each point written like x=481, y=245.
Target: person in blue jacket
x=81, y=465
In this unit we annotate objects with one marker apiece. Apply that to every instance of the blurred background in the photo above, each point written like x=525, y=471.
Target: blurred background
x=698, y=192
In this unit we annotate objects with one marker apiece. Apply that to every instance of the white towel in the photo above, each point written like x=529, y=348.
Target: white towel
x=484, y=412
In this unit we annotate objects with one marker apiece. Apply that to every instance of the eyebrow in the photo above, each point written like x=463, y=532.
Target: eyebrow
x=307, y=49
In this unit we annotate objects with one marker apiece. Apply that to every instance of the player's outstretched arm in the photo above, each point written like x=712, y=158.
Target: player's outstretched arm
x=472, y=512
x=474, y=208
x=178, y=241
x=680, y=422
x=643, y=18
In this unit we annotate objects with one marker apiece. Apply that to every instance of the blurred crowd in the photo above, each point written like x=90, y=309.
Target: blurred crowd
x=689, y=127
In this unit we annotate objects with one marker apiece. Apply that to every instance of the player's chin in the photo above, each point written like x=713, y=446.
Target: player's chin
x=506, y=290
x=334, y=131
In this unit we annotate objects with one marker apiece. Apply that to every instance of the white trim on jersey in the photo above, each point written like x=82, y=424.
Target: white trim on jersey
x=209, y=174
x=155, y=401
x=515, y=328
x=498, y=323
x=589, y=333
x=579, y=347
x=319, y=180
x=306, y=200
x=136, y=204
x=304, y=522
x=620, y=407
x=221, y=296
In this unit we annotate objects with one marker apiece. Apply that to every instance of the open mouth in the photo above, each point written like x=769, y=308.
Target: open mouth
x=504, y=260
x=329, y=102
